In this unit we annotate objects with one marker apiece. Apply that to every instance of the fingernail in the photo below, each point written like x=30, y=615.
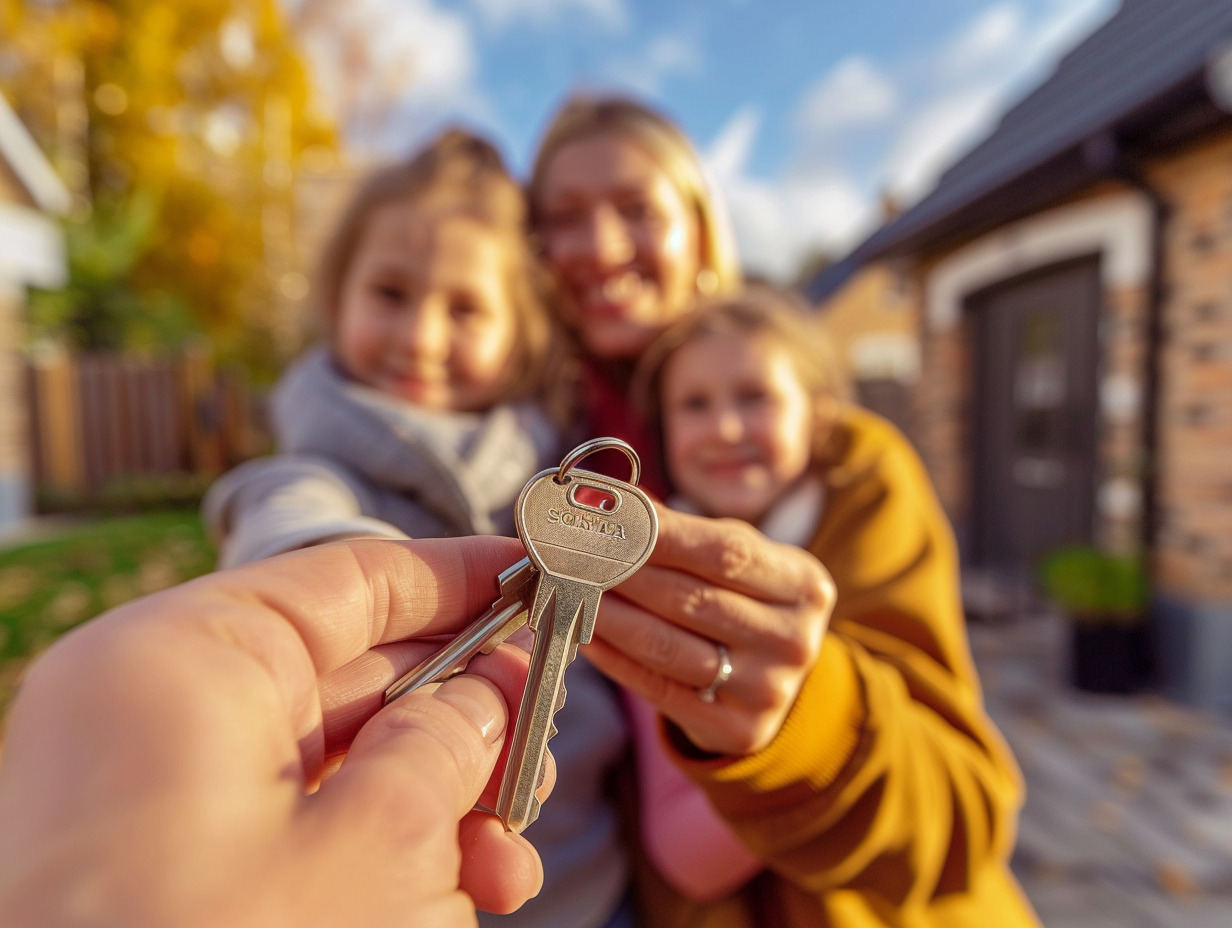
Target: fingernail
x=478, y=702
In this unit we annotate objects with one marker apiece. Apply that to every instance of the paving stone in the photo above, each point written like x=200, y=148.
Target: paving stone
x=1128, y=816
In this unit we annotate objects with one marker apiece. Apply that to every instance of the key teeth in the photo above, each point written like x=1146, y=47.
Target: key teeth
x=560, y=701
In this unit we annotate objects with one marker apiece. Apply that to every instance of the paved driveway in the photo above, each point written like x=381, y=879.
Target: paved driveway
x=1128, y=820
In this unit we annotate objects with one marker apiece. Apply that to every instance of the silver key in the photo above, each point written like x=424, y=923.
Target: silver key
x=504, y=617
x=582, y=548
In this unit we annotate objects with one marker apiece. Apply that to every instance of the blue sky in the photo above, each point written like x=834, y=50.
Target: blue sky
x=806, y=113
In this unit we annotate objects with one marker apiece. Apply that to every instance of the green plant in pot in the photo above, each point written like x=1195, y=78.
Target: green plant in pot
x=1105, y=597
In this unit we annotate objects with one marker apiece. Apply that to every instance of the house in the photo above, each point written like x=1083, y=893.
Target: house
x=871, y=326
x=1070, y=281
x=31, y=255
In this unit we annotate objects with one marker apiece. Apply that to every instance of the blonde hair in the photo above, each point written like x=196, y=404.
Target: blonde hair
x=584, y=116
x=458, y=173
x=759, y=311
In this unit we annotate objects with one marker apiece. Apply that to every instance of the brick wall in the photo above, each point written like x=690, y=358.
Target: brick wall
x=1120, y=470
x=943, y=415
x=1194, y=551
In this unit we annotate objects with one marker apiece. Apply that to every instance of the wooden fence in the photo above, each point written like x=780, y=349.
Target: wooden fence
x=99, y=420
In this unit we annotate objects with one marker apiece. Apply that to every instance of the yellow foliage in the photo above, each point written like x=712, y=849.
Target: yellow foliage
x=205, y=104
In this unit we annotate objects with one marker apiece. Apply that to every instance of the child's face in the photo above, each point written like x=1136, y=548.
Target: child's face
x=425, y=312
x=737, y=423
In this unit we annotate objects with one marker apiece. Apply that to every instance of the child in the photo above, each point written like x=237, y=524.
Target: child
x=752, y=421
x=741, y=396
x=422, y=417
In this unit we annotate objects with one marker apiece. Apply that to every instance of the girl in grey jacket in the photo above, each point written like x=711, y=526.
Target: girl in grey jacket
x=424, y=416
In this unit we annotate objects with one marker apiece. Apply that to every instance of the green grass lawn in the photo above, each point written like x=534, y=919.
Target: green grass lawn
x=56, y=582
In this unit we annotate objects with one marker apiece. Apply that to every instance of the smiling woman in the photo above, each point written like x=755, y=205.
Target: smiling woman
x=627, y=224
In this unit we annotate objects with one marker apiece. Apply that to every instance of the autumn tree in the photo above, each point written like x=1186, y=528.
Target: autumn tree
x=180, y=127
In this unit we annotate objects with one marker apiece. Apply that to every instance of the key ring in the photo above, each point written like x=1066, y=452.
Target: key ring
x=586, y=449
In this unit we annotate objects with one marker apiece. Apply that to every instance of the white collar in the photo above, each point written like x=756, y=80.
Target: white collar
x=792, y=520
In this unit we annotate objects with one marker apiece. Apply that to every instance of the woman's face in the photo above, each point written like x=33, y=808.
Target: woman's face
x=425, y=313
x=737, y=424
x=621, y=240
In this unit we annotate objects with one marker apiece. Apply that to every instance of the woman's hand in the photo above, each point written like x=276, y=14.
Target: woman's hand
x=159, y=762
x=714, y=582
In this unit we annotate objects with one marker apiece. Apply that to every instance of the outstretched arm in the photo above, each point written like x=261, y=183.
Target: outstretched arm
x=284, y=502
x=162, y=763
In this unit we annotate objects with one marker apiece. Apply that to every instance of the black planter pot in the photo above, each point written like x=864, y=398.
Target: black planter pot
x=1109, y=657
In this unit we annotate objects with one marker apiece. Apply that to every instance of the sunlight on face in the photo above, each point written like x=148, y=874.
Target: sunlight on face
x=621, y=240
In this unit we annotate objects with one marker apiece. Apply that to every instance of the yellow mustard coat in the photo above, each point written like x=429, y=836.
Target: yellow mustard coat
x=888, y=798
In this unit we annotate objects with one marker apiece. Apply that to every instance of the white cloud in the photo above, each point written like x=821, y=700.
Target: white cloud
x=662, y=57
x=853, y=93
x=779, y=223
x=1069, y=20
x=935, y=136
x=611, y=14
x=392, y=69
x=729, y=152
x=994, y=33
x=925, y=111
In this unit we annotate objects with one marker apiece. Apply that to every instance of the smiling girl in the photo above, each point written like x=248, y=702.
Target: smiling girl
x=423, y=413
x=753, y=424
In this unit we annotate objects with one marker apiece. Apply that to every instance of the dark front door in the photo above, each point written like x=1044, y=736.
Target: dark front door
x=1035, y=407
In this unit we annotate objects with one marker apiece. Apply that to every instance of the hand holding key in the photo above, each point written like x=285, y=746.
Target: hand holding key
x=157, y=761
x=714, y=582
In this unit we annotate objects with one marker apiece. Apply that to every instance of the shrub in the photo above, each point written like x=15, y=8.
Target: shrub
x=1095, y=587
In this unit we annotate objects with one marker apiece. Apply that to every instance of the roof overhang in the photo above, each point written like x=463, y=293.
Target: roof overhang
x=1171, y=119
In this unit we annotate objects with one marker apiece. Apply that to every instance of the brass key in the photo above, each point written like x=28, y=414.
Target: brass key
x=582, y=546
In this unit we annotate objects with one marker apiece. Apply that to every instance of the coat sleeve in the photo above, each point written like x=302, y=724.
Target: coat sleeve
x=271, y=505
x=887, y=777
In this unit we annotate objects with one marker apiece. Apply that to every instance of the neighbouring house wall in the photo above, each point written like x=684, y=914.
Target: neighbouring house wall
x=873, y=325
x=871, y=322
x=14, y=440
x=1114, y=224
x=1194, y=547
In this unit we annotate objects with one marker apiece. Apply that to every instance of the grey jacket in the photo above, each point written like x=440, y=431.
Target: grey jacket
x=356, y=463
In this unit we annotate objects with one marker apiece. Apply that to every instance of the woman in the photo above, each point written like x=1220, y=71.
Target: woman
x=857, y=763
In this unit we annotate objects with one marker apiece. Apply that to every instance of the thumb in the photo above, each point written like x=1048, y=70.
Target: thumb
x=414, y=770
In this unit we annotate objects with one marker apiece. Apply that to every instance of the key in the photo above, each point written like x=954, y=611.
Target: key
x=504, y=617
x=582, y=547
